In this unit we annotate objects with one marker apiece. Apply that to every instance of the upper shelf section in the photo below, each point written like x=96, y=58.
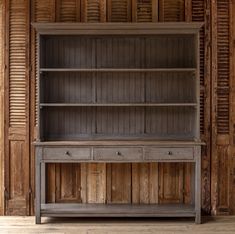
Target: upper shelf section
x=117, y=28
x=118, y=52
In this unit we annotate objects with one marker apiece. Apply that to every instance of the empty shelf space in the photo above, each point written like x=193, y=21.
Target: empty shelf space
x=116, y=104
x=117, y=69
x=118, y=210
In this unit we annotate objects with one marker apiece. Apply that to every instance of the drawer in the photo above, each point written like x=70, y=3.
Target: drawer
x=66, y=153
x=118, y=154
x=168, y=153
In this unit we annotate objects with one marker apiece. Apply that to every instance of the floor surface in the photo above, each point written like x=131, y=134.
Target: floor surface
x=16, y=224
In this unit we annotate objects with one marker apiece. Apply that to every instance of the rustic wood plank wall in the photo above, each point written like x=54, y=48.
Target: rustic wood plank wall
x=2, y=105
x=145, y=183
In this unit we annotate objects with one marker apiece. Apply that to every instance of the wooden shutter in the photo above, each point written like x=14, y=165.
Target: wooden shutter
x=93, y=10
x=17, y=68
x=142, y=11
x=119, y=10
x=68, y=10
x=232, y=108
x=198, y=15
x=223, y=67
x=201, y=12
x=2, y=53
x=222, y=153
x=171, y=10
x=17, y=149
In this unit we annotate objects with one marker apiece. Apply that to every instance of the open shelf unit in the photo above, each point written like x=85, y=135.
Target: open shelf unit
x=120, y=80
x=118, y=93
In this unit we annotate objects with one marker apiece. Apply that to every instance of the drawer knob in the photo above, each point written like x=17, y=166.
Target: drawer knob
x=67, y=153
x=170, y=153
x=118, y=153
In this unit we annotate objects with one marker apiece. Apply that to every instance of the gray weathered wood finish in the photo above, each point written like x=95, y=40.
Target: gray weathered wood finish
x=118, y=93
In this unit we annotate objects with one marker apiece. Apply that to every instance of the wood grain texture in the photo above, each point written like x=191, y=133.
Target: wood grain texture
x=45, y=11
x=201, y=11
x=42, y=11
x=145, y=183
x=223, y=104
x=93, y=11
x=221, y=154
x=171, y=10
x=219, y=225
x=232, y=108
x=68, y=10
x=17, y=119
x=2, y=68
x=119, y=10
x=96, y=183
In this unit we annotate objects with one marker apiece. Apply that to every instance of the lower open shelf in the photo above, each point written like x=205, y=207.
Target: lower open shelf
x=117, y=210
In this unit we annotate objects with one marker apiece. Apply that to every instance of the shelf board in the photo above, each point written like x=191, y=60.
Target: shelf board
x=116, y=104
x=122, y=142
x=117, y=210
x=117, y=69
x=112, y=137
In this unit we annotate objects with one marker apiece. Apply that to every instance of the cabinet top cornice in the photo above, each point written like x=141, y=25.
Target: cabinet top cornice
x=118, y=28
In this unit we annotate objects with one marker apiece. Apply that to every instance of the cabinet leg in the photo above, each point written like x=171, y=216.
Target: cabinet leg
x=38, y=219
x=38, y=186
x=198, y=218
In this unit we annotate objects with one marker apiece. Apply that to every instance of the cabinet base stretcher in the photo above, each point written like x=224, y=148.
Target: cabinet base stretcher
x=118, y=210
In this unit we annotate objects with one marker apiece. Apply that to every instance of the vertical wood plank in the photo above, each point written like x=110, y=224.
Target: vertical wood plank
x=155, y=11
x=154, y=183
x=135, y=183
x=96, y=183
x=188, y=10
x=232, y=110
x=2, y=106
x=206, y=151
x=214, y=155
x=220, y=106
x=68, y=179
x=119, y=188
x=201, y=11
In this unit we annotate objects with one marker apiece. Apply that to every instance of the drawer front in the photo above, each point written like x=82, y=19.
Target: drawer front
x=118, y=154
x=168, y=153
x=66, y=153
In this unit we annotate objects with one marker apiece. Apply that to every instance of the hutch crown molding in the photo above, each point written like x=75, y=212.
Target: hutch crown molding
x=118, y=92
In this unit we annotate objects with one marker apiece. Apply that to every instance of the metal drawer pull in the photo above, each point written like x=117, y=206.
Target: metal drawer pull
x=170, y=153
x=67, y=153
x=118, y=153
